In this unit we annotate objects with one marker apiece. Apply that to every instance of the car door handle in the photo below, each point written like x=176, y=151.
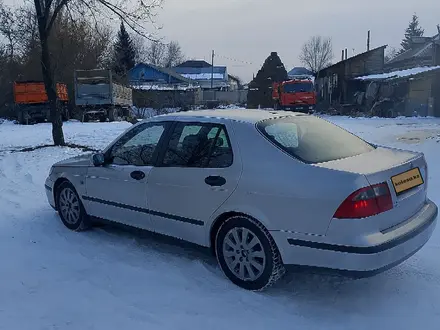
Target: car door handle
x=215, y=181
x=137, y=175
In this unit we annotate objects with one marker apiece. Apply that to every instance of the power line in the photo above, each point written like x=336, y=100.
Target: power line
x=234, y=59
x=223, y=57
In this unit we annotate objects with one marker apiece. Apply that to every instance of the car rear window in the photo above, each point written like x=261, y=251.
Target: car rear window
x=312, y=139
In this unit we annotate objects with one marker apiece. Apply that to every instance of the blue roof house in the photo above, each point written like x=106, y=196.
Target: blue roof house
x=149, y=76
x=299, y=71
x=202, y=73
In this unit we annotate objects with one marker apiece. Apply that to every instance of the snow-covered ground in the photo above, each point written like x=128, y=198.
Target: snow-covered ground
x=51, y=278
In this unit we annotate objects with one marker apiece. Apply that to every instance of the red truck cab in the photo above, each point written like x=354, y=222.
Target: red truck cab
x=296, y=94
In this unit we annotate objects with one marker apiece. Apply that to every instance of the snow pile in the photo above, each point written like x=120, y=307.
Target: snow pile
x=106, y=278
x=145, y=113
x=399, y=74
x=94, y=135
x=6, y=122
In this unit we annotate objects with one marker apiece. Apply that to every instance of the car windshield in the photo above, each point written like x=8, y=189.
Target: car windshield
x=298, y=87
x=311, y=139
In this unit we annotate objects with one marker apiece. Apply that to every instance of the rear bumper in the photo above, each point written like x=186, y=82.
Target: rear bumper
x=361, y=261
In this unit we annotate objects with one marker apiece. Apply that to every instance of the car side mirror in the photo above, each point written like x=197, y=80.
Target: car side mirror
x=98, y=159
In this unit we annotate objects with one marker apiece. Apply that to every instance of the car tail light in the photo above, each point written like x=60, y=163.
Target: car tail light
x=366, y=202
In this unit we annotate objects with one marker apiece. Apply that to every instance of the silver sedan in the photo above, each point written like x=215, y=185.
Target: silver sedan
x=264, y=190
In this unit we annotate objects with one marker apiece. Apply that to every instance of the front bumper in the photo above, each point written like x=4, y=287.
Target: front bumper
x=360, y=261
x=49, y=185
x=304, y=108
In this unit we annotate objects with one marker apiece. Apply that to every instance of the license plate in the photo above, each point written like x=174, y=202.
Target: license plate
x=407, y=180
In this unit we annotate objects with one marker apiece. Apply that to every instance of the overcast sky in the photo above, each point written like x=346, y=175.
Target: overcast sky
x=248, y=30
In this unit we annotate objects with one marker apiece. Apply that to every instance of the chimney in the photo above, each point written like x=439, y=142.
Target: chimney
x=346, y=53
x=368, y=40
x=342, y=57
x=273, y=54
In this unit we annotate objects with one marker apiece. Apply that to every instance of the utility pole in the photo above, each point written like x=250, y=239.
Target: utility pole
x=212, y=70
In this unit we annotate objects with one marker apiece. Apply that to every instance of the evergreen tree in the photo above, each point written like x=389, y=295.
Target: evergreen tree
x=124, y=56
x=260, y=88
x=413, y=30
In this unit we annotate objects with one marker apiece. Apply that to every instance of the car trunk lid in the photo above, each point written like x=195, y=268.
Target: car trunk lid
x=405, y=173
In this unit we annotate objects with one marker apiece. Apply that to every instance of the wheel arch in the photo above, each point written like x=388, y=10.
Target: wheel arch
x=220, y=219
x=56, y=186
x=263, y=281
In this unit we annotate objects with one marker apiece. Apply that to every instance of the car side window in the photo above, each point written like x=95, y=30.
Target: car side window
x=221, y=155
x=138, y=146
x=198, y=145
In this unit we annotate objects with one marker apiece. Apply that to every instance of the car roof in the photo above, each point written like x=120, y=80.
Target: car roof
x=251, y=116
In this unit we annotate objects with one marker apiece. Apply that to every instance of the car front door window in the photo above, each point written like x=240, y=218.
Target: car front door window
x=118, y=192
x=138, y=146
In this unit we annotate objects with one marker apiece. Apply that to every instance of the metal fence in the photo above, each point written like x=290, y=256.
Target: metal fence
x=226, y=97
x=186, y=99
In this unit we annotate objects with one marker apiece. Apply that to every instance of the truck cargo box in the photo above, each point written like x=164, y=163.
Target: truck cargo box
x=96, y=88
x=35, y=92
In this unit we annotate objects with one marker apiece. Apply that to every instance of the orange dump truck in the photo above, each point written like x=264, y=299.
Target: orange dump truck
x=297, y=94
x=32, y=103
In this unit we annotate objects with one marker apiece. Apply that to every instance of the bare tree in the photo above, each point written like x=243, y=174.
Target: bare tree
x=159, y=53
x=132, y=12
x=174, y=55
x=141, y=47
x=12, y=25
x=391, y=53
x=75, y=43
x=317, y=53
x=8, y=23
x=155, y=53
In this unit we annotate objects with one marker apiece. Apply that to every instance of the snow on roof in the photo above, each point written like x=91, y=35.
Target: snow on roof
x=399, y=74
x=164, y=87
x=202, y=76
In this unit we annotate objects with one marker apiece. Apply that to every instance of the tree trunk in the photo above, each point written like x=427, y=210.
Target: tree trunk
x=55, y=114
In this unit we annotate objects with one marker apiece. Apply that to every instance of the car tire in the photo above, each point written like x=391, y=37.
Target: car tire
x=253, y=263
x=70, y=208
